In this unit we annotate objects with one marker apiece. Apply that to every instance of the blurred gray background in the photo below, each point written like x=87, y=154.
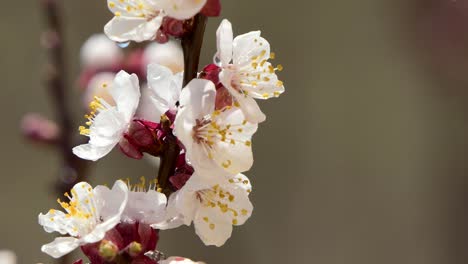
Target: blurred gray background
x=361, y=161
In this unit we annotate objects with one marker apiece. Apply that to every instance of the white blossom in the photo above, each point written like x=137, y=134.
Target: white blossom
x=88, y=216
x=214, y=140
x=139, y=20
x=99, y=51
x=179, y=260
x=107, y=123
x=246, y=72
x=214, y=206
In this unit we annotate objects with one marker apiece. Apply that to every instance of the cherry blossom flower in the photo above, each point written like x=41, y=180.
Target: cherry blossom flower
x=88, y=217
x=107, y=123
x=139, y=20
x=246, y=72
x=179, y=260
x=99, y=51
x=214, y=140
x=214, y=206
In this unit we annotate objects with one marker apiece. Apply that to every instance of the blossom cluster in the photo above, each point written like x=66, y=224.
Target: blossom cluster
x=142, y=104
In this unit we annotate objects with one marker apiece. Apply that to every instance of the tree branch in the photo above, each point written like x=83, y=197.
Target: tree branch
x=72, y=169
x=191, y=45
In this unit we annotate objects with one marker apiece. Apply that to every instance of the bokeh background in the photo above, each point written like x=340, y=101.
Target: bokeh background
x=363, y=160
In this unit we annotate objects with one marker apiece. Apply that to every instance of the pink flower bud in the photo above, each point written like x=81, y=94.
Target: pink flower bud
x=142, y=137
x=173, y=27
x=39, y=129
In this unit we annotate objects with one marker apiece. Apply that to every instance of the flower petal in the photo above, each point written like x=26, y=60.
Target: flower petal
x=234, y=153
x=165, y=87
x=249, y=106
x=92, y=152
x=197, y=100
x=107, y=128
x=146, y=207
x=224, y=38
x=212, y=226
x=199, y=95
x=123, y=29
x=55, y=221
x=182, y=9
x=249, y=48
x=173, y=218
x=60, y=246
x=115, y=203
x=126, y=93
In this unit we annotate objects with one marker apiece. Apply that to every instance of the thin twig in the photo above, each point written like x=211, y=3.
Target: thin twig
x=72, y=169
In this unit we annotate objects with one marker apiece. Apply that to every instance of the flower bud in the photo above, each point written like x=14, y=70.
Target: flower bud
x=100, y=52
x=173, y=27
x=39, y=129
x=141, y=137
x=212, y=8
x=108, y=250
x=169, y=54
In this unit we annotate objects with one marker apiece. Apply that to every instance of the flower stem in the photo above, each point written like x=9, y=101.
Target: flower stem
x=191, y=45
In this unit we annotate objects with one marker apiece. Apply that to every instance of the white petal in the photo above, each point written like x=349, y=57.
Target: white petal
x=126, y=93
x=173, y=217
x=197, y=100
x=178, y=260
x=169, y=54
x=60, y=246
x=240, y=204
x=250, y=47
x=100, y=52
x=107, y=128
x=199, y=95
x=224, y=43
x=146, y=207
x=92, y=152
x=123, y=29
x=112, y=199
x=165, y=87
x=251, y=110
x=234, y=154
x=56, y=221
x=212, y=226
x=111, y=212
x=183, y=9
